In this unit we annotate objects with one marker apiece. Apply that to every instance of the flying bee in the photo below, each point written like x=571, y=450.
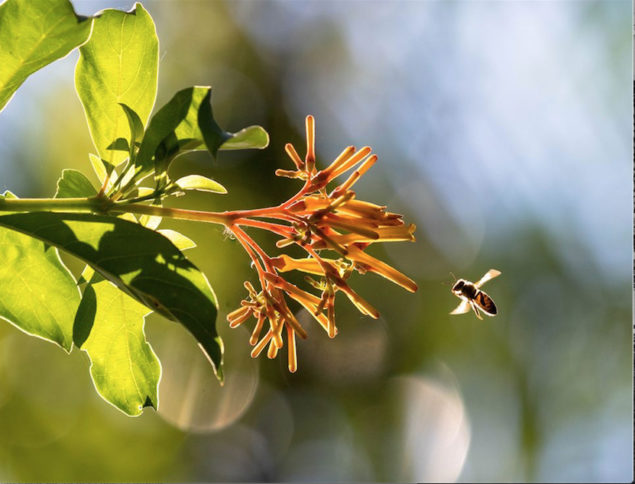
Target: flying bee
x=472, y=297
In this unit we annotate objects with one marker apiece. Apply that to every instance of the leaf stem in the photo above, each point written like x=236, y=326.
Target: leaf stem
x=92, y=204
x=105, y=206
x=223, y=218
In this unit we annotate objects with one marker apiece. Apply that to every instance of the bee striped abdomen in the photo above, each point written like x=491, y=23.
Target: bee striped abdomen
x=485, y=303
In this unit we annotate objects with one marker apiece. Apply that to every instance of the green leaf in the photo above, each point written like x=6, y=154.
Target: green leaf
x=120, y=144
x=181, y=109
x=86, y=275
x=109, y=327
x=143, y=191
x=187, y=123
x=212, y=135
x=101, y=168
x=118, y=65
x=34, y=33
x=135, y=124
x=124, y=368
x=37, y=292
x=150, y=221
x=198, y=182
x=73, y=184
x=98, y=166
x=141, y=262
x=247, y=138
x=178, y=239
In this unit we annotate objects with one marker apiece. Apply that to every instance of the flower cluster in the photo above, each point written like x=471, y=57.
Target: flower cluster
x=321, y=222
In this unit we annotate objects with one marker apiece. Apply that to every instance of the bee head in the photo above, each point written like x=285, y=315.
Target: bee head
x=458, y=286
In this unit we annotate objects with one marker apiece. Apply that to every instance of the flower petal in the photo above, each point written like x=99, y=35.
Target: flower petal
x=375, y=265
x=292, y=356
x=284, y=263
x=293, y=154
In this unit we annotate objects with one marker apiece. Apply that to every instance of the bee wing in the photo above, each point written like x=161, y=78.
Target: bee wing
x=464, y=307
x=486, y=303
x=491, y=274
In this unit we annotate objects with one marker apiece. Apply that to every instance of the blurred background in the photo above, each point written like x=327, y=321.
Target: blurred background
x=504, y=132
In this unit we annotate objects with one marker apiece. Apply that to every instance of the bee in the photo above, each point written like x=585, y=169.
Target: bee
x=472, y=297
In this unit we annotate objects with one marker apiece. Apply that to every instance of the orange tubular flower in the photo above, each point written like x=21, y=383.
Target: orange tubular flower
x=317, y=221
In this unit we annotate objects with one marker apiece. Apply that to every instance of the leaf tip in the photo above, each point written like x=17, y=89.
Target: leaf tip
x=217, y=367
x=220, y=376
x=148, y=403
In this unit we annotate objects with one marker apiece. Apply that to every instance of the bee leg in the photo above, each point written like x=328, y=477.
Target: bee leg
x=476, y=311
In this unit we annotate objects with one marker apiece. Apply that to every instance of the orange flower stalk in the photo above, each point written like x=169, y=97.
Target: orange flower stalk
x=334, y=229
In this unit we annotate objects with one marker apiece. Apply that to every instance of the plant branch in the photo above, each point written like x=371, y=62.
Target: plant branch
x=92, y=204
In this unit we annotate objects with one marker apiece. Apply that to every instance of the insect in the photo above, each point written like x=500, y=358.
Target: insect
x=472, y=297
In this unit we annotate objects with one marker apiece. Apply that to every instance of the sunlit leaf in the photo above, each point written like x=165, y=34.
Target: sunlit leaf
x=150, y=221
x=8, y=194
x=86, y=275
x=251, y=137
x=118, y=65
x=37, y=292
x=99, y=167
x=34, y=33
x=134, y=123
x=141, y=262
x=144, y=191
x=198, y=182
x=73, y=184
x=187, y=123
x=128, y=216
x=181, y=109
x=178, y=239
x=109, y=327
